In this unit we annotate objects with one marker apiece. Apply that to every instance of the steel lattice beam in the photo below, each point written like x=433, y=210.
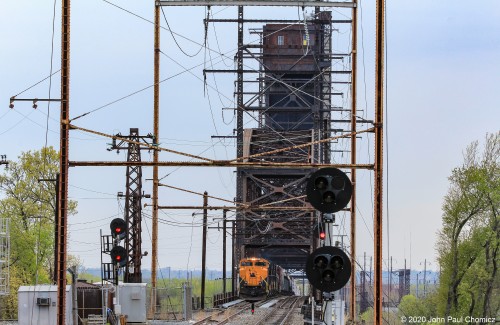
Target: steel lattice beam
x=282, y=3
x=256, y=165
x=133, y=201
x=133, y=210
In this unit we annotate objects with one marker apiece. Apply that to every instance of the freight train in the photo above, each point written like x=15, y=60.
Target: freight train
x=259, y=278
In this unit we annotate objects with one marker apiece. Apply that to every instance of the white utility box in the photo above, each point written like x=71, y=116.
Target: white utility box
x=132, y=298
x=38, y=305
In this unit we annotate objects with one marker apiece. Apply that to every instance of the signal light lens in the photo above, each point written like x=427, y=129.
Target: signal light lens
x=338, y=183
x=119, y=255
x=328, y=276
x=320, y=183
x=320, y=261
x=329, y=197
x=118, y=228
x=322, y=235
x=337, y=263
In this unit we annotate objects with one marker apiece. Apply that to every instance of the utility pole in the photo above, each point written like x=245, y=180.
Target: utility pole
x=224, y=212
x=379, y=160
x=204, y=250
x=156, y=133
x=425, y=277
x=63, y=163
x=417, y=285
x=371, y=273
x=363, y=304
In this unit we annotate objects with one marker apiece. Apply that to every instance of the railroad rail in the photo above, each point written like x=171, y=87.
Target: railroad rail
x=280, y=313
x=239, y=308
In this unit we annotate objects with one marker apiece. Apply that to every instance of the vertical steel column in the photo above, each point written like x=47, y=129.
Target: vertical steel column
x=56, y=230
x=239, y=136
x=133, y=211
x=239, y=111
x=354, y=58
x=233, y=271
x=204, y=250
x=64, y=164
x=156, y=132
x=224, y=228
x=379, y=161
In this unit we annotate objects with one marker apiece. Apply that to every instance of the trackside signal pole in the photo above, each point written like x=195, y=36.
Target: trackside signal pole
x=379, y=162
x=330, y=295
x=354, y=56
x=64, y=164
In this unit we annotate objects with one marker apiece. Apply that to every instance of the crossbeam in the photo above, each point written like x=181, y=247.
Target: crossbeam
x=282, y=3
x=215, y=164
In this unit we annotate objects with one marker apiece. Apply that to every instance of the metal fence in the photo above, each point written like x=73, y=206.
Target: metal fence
x=169, y=304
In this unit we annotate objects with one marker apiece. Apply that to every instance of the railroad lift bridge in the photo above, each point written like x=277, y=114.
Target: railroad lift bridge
x=292, y=92
x=294, y=103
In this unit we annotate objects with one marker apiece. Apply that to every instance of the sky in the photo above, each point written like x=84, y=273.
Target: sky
x=442, y=93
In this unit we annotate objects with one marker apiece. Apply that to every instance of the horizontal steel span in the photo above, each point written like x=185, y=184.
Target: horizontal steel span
x=282, y=3
x=226, y=207
x=214, y=164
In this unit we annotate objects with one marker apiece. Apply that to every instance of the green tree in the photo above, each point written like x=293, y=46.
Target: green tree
x=468, y=245
x=30, y=205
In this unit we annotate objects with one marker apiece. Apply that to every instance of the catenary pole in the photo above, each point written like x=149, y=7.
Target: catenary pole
x=156, y=131
x=64, y=164
x=379, y=154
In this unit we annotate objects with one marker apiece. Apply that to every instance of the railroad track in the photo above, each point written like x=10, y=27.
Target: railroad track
x=224, y=316
x=280, y=313
x=238, y=314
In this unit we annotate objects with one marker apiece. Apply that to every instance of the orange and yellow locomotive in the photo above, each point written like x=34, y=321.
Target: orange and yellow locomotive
x=259, y=279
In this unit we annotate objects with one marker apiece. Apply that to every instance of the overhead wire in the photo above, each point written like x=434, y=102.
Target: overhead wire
x=108, y=2
x=36, y=84
x=162, y=80
x=136, y=91
x=50, y=85
x=175, y=40
x=37, y=248
x=25, y=117
x=142, y=18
